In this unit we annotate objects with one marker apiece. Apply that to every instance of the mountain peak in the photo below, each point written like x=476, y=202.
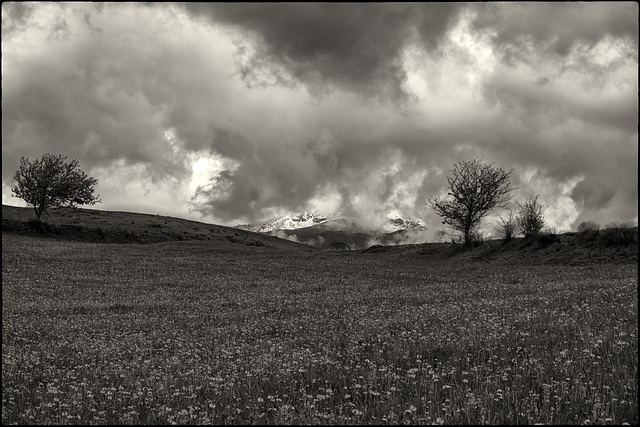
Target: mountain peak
x=395, y=222
x=400, y=222
x=289, y=222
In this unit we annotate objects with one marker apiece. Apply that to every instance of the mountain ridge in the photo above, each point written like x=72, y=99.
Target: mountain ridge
x=395, y=222
x=338, y=232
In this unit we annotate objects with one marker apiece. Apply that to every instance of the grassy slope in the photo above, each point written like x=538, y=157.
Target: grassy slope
x=90, y=225
x=185, y=332
x=97, y=226
x=210, y=327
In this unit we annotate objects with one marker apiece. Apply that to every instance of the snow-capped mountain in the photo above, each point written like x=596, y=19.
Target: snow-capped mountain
x=326, y=232
x=394, y=222
x=287, y=222
x=398, y=222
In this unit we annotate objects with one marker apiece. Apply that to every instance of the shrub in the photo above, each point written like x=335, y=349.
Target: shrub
x=619, y=234
x=36, y=225
x=507, y=227
x=545, y=238
x=43, y=227
x=586, y=226
x=530, y=218
x=477, y=238
x=339, y=246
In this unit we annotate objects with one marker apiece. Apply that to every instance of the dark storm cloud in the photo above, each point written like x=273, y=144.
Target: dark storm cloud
x=547, y=104
x=102, y=96
x=15, y=17
x=559, y=25
x=355, y=46
x=144, y=92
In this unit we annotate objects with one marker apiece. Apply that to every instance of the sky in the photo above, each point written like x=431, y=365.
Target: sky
x=236, y=113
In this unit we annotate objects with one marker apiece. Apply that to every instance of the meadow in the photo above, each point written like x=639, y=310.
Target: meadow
x=201, y=332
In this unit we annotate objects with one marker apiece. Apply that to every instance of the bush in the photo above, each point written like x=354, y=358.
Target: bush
x=43, y=228
x=36, y=225
x=545, y=238
x=586, y=226
x=339, y=246
x=619, y=234
x=507, y=227
x=477, y=238
x=530, y=218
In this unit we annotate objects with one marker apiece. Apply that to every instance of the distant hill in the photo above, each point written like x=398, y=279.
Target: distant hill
x=341, y=233
x=98, y=226
x=288, y=222
x=344, y=234
x=613, y=245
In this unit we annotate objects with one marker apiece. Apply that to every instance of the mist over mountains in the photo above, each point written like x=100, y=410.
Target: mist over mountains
x=340, y=233
x=287, y=222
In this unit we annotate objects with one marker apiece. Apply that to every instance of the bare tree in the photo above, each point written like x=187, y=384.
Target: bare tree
x=474, y=189
x=508, y=227
x=530, y=217
x=587, y=226
x=52, y=181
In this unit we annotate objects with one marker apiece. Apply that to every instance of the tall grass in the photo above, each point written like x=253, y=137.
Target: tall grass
x=185, y=333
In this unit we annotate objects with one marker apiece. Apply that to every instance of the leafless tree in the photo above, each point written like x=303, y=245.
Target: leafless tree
x=474, y=189
x=508, y=227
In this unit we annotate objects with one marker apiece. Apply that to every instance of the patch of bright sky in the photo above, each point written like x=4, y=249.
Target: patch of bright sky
x=405, y=190
x=8, y=199
x=449, y=80
x=605, y=53
x=561, y=211
x=128, y=187
x=326, y=201
x=132, y=183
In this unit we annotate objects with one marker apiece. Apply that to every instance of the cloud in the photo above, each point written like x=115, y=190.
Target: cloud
x=111, y=95
x=517, y=28
x=355, y=47
x=15, y=17
x=235, y=113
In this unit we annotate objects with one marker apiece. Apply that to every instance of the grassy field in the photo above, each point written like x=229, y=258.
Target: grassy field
x=212, y=331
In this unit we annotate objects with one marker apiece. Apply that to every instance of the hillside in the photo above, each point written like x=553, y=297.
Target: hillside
x=326, y=236
x=618, y=245
x=97, y=226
